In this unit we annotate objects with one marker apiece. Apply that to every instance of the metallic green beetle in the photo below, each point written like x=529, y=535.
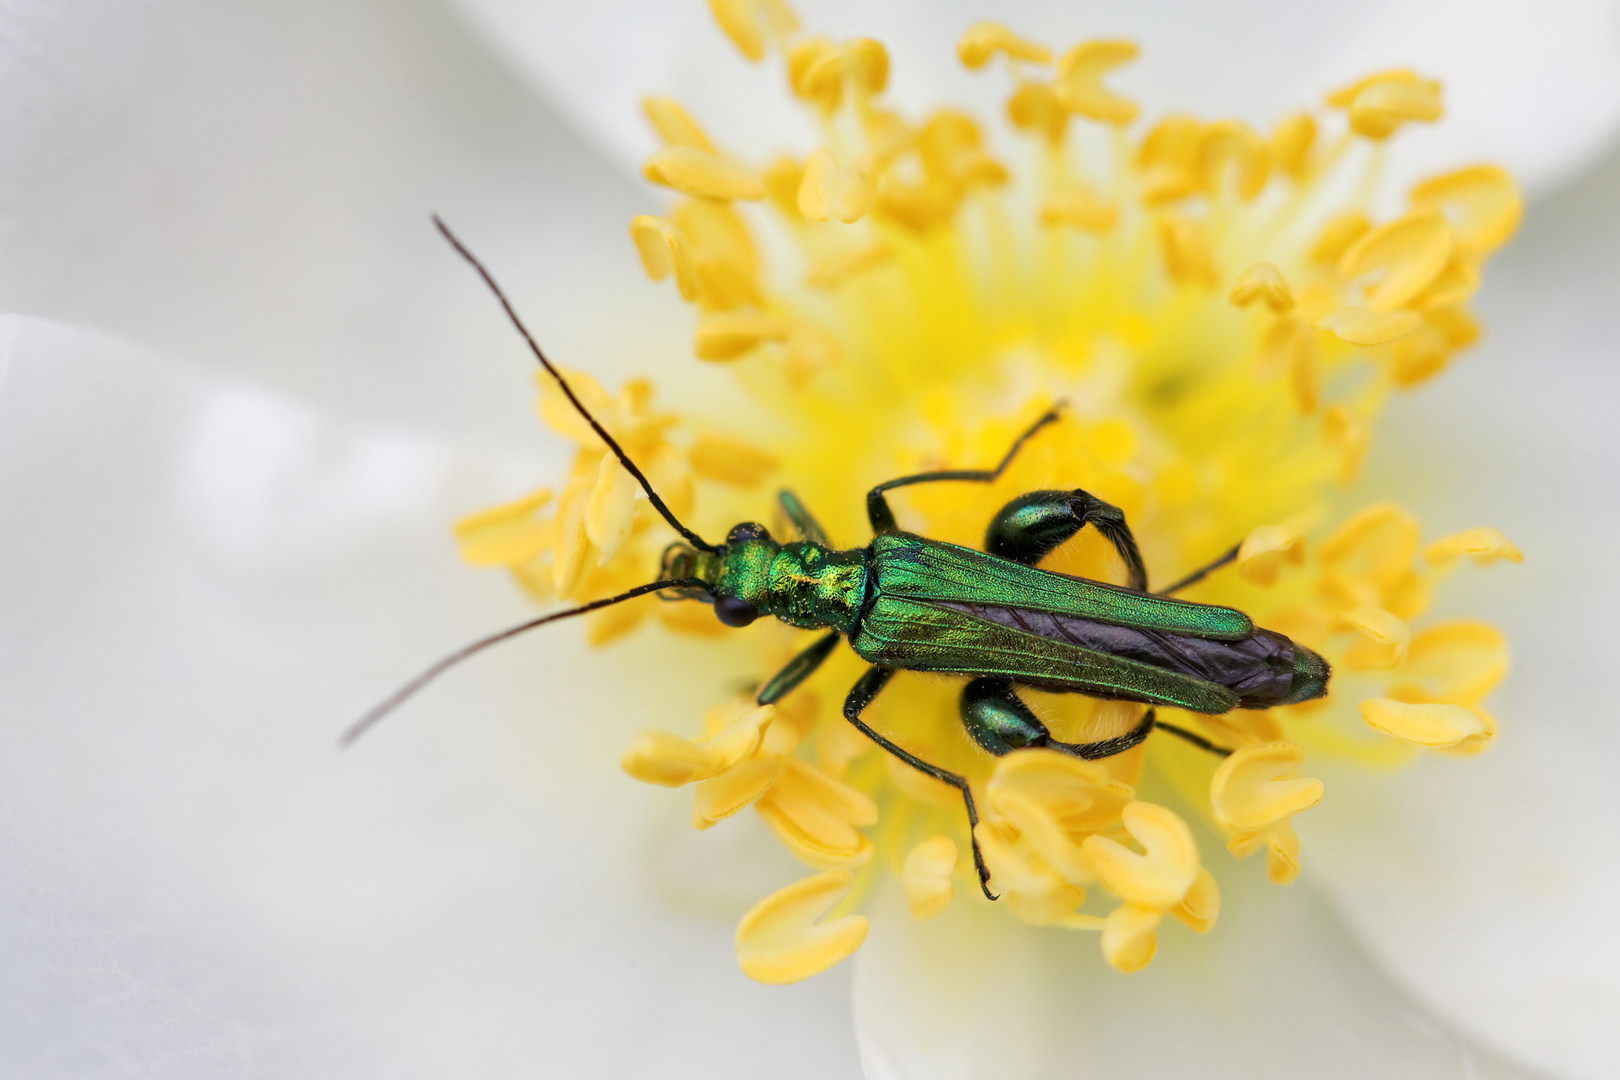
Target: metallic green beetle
x=908, y=603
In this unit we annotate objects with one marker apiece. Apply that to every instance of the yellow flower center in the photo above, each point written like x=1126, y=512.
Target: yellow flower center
x=1223, y=318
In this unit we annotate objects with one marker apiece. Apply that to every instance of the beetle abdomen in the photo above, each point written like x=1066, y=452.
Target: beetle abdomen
x=1263, y=670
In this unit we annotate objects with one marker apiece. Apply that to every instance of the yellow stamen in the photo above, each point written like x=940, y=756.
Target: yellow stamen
x=610, y=509
x=1459, y=661
x=1409, y=252
x=1427, y=724
x=1076, y=204
x=1483, y=544
x=1201, y=906
x=780, y=941
x=1184, y=244
x=505, y=535
x=1484, y=200
x=1384, y=638
x=1379, y=104
x=730, y=460
x=703, y=173
x=1128, y=941
x=816, y=816
x=1361, y=326
x=1259, y=785
x=829, y=190
x=666, y=759
x=674, y=124
x=572, y=557
x=664, y=250
x=728, y=336
x=1264, y=551
x=1159, y=877
x=744, y=22
x=1291, y=142
x=1262, y=281
x=1233, y=142
x=983, y=40
x=926, y=877
x=1079, y=87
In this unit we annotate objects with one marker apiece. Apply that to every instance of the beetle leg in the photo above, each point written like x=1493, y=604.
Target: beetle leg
x=877, y=504
x=1032, y=526
x=1203, y=571
x=997, y=719
x=1107, y=748
x=860, y=696
x=798, y=669
x=804, y=522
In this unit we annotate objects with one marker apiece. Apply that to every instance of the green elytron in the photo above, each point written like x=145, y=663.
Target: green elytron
x=908, y=603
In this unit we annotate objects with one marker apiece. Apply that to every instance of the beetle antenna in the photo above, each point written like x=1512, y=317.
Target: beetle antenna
x=406, y=692
x=624, y=459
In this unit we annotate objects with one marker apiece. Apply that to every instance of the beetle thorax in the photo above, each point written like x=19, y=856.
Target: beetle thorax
x=810, y=585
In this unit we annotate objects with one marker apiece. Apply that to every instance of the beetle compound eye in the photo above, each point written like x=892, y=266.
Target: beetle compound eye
x=748, y=530
x=734, y=612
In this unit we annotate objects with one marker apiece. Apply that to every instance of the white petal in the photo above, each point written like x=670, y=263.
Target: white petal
x=1488, y=884
x=1277, y=989
x=1536, y=88
x=200, y=584
x=249, y=186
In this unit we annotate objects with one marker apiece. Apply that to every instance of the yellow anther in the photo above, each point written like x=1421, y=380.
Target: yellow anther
x=1408, y=254
x=1454, y=324
x=744, y=22
x=718, y=797
x=610, y=509
x=730, y=460
x=1167, y=160
x=1430, y=724
x=1383, y=642
x=1291, y=142
x=571, y=557
x=1036, y=893
x=1376, y=542
x=1034, y=107
x=780, y=941
x=816, y=816
x=1337, y=235
x=952, y=152
x=663, y=250
x=1078, y=796
x=1079, y=85
x=1128, y=941
x=829, y=190
x=674, y=124
x=1158, y=878
x=1201, y=906
x=729, y=335
x=1282, y=854
x=1455, y=283
x=839, y=267
x=819, y=69
x=505, y=535
x=1232, y=142
x=703, y=173
x=723, y=254
x=1381, y=103
x=1483, y=204
x=1077, y=205
x=666, y=759
x=1482, y=544
x=671, y=478
x=1260, y=785
x=1262, y=281
x=561, y=416
x=1184, y=245
x=1362, y=326
x=926, y=876
x=782, y=185
x=983, y=40
x=1458, y=661
x=1417, y=357
x=1266, y=549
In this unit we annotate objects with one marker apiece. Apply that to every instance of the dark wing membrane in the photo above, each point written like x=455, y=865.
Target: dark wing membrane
x=929, y=570
x=900, y=632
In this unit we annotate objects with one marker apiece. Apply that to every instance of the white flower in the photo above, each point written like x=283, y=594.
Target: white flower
x=213, y=215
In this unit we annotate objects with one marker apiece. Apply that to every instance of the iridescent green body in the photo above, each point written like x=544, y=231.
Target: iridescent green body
x=910, y=603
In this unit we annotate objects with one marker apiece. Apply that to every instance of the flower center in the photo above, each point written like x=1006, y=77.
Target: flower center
x=1220, y=317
